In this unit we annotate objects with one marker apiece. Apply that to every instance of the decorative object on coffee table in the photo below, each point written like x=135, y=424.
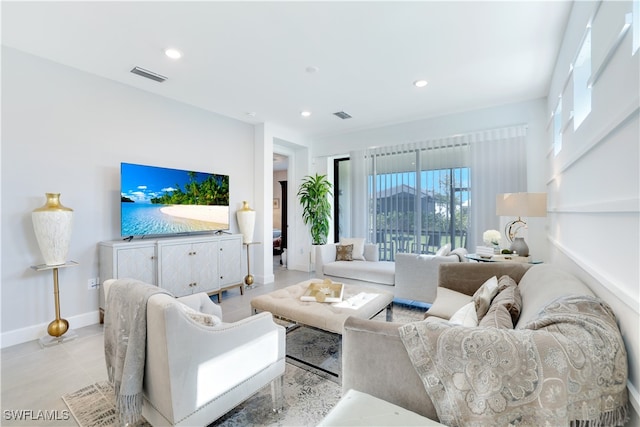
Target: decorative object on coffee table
x=323, y=291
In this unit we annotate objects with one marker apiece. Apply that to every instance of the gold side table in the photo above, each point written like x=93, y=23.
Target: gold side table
x=59, y=326
x=248, y=279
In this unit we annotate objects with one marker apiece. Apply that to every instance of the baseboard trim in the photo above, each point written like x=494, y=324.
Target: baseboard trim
x=31, y=333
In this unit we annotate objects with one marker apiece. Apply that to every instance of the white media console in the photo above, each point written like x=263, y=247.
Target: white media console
x=181, y=265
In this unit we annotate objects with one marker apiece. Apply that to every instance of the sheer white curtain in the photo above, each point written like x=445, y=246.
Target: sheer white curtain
x=403, y=183
x=498, y=165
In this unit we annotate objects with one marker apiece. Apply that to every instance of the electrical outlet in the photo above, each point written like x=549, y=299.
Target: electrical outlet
x=92, y=283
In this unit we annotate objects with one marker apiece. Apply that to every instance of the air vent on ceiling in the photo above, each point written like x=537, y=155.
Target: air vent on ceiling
x=148, y=74
x=343, y=115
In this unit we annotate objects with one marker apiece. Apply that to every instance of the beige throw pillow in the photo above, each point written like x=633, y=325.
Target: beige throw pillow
x=358, y=246
x=505, y=281
x=466, y=316
x=484, y=295
x=511, y=299
x=497, y=317
x=344, y=252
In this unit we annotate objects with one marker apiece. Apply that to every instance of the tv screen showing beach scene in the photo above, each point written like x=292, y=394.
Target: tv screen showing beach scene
x=159, y=201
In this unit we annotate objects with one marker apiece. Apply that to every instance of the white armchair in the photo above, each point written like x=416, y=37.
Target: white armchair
x=417, y=275
x=195, y=373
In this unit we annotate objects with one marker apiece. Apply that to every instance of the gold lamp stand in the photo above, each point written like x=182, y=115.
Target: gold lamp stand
x=59, y=326
x=248, y=279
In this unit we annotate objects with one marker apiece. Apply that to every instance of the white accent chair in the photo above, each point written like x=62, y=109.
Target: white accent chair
x=195, y=373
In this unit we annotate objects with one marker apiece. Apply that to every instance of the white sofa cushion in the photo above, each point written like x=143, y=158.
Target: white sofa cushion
x=448, y=302
x=444, y=250
x=466, y=316
x=358, y=246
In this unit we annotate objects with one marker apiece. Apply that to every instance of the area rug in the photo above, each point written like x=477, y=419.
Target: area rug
x=308, y=398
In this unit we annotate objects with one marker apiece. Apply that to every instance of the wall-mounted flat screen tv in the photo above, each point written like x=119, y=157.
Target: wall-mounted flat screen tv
x=158, y=201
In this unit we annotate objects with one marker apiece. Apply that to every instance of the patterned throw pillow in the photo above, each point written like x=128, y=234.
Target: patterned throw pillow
x=358, y=247
x=484, y=295
x=344, y=252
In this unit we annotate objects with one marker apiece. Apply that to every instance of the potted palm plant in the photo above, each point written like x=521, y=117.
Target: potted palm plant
x=314, y=195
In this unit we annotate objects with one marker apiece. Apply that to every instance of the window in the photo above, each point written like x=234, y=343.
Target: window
x=581, y=87
x=557, y=128
x=416, y=204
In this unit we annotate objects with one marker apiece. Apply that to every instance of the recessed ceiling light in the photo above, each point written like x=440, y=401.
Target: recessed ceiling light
x=305, y=113
x=312, y=69
x=420, y=83
x=173, y=53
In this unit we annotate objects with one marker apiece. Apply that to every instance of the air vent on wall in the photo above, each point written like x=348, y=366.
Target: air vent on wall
x=343, y=115
x=148, y=74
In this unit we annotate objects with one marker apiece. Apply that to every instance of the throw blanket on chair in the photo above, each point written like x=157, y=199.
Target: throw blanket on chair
x=567, y=367
x=125, y=335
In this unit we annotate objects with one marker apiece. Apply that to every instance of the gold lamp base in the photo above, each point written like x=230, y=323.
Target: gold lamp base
x=58, y=327
x=248, y=280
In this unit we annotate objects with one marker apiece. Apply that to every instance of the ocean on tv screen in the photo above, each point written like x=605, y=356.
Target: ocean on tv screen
x=157, y=201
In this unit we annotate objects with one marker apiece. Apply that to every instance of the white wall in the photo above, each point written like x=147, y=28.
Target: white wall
x=67, y=131
x=594, y=182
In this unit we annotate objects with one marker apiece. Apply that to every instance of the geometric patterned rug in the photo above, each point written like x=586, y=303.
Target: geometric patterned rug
x=307, y=400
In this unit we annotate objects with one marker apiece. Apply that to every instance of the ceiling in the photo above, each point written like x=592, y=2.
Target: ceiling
x=251, y=60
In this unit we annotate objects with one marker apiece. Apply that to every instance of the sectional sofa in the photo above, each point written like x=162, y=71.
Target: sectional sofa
x=559, y=358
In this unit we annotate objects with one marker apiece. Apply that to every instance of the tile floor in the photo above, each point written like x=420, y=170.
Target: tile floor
x=34, y=379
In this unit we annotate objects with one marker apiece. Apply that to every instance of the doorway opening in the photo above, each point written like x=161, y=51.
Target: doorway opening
x=280, y=208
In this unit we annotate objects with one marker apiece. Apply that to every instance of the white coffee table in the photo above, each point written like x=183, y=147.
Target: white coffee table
x=285, y=303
